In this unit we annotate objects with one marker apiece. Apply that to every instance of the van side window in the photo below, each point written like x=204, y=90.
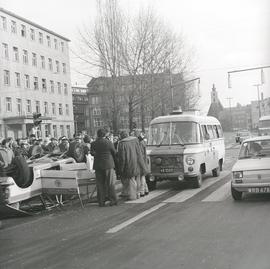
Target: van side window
x=205, y=133
x=210, y=131
x=216, y=134
x=220, y=132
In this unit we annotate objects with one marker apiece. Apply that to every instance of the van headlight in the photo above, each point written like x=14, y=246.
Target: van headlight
x=190, y=160
x=238, y=174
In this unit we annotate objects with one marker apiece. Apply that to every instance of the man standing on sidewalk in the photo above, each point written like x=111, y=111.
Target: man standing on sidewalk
x=104, y=164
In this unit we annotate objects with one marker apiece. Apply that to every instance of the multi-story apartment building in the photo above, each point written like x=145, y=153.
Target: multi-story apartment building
x=131, y=102
x=34, y=77
x=80, y=104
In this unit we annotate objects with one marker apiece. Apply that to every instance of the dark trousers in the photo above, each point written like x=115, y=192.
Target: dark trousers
x=105, y=180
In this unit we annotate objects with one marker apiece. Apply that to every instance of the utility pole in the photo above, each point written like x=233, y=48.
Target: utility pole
x=259, y=100
x=230, y=105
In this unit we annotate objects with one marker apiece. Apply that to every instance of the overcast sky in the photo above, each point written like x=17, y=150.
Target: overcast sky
x=225, y=34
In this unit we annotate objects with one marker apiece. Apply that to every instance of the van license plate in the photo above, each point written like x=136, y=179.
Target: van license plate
x=166, y=170
x=259, y=190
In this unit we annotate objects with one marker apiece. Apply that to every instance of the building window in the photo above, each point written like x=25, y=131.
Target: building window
x=50, y=64
x=95, y=100
x=38, y=106
x=96, y=111
x=52, y=86
x=34, y=59
x=19, y=106
x=40, y=38
x=62, y=130
x=48, y=41
x=23, y=30
x=8, y=104
x=42, y=58
x=97, y=122
x=6, y=78
x=55, y=44
x=53, y=109
x=57, y=66
x=60, y=109
x=32, y=34
x=17, y=79
x=46, y=127
x=59, y=87
x=62, y=46
x=64, y=68
x=67, y=109
x=25, y=56
x=5, y=50
x=13, y=27
x=28, y=106
x=26, y=81
x=35, y=83
x=4, y=23
x=16, y=54
x=54, y=131
x=65, y=89
x=44, y=84
x=68, y=131
x=46, y=108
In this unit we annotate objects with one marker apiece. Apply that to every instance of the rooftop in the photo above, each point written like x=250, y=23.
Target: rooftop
x=32, y=23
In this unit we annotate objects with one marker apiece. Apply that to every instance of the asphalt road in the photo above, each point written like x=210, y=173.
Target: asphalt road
x=173, y=227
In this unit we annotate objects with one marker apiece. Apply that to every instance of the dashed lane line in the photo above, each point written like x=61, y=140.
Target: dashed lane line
x=124, y=224
x=187, y=194
x=220, y=194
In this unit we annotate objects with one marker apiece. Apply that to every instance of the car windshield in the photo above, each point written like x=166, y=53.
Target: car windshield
x=255, y=149
x=174, y=133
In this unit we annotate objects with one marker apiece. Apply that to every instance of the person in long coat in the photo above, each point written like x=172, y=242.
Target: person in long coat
x=104, y=165
x=131, y=165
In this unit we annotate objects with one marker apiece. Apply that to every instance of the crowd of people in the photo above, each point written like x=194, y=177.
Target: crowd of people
x=125, y=159
x=120, y=157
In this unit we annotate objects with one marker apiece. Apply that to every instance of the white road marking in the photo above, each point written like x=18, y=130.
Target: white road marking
x=150, y=196
x=187, y=194
x=124, y=224
x=220, y=194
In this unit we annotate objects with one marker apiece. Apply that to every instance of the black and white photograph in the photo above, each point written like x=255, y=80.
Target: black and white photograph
x=134, y=134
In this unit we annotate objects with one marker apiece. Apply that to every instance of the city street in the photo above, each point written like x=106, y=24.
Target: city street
x=172, y=227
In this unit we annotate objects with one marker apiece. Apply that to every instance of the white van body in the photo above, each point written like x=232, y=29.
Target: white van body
x=183, y=147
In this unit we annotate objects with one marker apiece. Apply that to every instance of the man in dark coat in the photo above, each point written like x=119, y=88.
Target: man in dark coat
x=131, y=165
x=104, y=164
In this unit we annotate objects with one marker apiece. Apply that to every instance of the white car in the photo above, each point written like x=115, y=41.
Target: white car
x=251, y=172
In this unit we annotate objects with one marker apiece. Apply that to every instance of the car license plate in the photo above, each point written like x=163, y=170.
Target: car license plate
x=166, y=170
x=259, y=190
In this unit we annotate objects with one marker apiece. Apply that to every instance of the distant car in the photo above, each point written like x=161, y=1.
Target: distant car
x=243, y=135
x=251, y=172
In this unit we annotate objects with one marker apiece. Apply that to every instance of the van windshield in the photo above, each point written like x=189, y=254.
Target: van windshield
x=173, y=133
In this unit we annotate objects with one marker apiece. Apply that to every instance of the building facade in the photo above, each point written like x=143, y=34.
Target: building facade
x=80, y=111
x=34, y=77
x=255, y=112
x=131, y=102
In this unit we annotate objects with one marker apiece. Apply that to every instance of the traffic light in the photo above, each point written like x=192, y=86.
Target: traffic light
x=36, y=119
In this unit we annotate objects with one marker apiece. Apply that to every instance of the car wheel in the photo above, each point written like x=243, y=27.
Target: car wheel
x=216, y=171
x=152, y=185
x=197, y=181
x=237, y=195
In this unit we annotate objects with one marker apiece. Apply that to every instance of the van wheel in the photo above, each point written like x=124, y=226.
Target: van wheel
x=216, y=172
x=152, y=185
x=237, y=195
x=197, y=181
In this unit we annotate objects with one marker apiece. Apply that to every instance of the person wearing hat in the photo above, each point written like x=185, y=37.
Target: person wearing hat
x=53, y=146
x=64, y=144
x=36, y=149
x=6, y=153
